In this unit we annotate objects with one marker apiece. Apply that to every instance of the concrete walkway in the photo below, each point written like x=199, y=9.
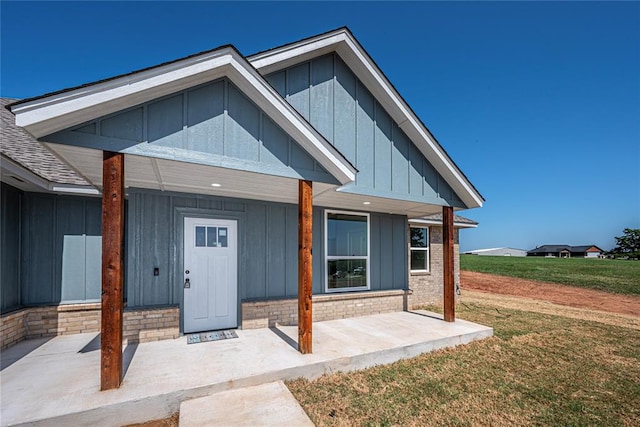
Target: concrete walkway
x=56, y=381
x=270, y=404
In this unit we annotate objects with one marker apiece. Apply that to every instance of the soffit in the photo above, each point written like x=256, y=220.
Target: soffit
x=182, y=177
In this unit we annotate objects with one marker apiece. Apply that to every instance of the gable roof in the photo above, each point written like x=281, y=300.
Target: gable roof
x=23, y=149
x=342, y=42
x=44, y=115
x=50, y=113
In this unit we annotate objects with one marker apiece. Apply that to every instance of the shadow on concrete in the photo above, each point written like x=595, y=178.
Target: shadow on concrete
x=284, y=337
x=430, y=315
x=127, y=357
x=16, y=352
x=92, y=345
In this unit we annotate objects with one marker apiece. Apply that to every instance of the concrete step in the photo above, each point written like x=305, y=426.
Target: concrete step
x=270, y=404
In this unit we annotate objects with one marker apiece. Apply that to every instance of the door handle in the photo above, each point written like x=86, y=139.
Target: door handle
x=187, y=283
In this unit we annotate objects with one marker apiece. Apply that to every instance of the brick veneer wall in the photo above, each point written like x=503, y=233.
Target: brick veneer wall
x=263, y=314
x=140, y=325
x=12, y=329
x=151, y=324
x=427, y=288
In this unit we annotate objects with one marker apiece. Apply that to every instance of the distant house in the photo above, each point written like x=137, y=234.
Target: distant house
x=567, y=251
x=498, y=252
x=586, y=251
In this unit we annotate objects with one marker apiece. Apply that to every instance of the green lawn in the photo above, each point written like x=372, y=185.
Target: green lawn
x=537, y=370
x=618, y=276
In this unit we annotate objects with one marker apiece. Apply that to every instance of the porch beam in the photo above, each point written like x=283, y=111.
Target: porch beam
x=305, y=227
x=112, y=270
x=448, y=264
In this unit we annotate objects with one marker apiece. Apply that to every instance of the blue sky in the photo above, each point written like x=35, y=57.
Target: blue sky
x=538, y=103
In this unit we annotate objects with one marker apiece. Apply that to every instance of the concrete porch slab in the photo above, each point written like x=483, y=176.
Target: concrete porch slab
x=57, y=381
x=270, y=404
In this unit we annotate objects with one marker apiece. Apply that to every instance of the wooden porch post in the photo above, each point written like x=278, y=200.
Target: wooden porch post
x=448, y=264
x=112, y=270
x=305, y=226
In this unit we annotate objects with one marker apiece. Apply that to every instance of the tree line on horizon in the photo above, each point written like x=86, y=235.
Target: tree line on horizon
x=627, y=245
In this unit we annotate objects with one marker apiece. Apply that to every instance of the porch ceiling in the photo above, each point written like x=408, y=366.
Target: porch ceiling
x=171, y=175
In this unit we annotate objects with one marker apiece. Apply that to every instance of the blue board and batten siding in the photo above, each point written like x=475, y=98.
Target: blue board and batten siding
x=212, y=124
x=51, y=249
x=267, y=246
x=62, y=246
x=329, y=95
x=10, y=226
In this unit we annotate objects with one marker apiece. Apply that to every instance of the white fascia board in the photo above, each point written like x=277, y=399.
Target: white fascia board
x=359, y=61
x=277, y=59
x=74, y=189
x=44, y=116
x=418, y=221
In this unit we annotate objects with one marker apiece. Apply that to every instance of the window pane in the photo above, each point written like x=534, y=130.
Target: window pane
x=212, y=237
x=222, y=237
x=346, y=235
x=419, y=237
x=347, y=273
x=418, y=260
x=200, y=236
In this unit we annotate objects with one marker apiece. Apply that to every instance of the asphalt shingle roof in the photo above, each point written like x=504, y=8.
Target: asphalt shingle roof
x=22, y=148
x=456, y=218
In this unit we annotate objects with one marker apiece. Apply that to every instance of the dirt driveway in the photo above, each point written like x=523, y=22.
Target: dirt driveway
x=558, y=294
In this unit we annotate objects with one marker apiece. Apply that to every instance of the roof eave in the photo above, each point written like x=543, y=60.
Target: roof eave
x=418, y=221
x=25, y=174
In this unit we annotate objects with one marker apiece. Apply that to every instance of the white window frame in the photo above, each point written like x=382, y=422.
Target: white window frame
x=428, y=255
x=328, y=258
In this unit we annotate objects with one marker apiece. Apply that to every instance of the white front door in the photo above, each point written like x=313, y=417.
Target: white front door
x=210, y=274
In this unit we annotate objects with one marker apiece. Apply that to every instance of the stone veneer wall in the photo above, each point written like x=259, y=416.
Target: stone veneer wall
x=266, y=313
x=427, y=288
x=140, y=325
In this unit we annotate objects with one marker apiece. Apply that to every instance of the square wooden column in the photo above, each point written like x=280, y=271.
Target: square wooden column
x=448, y=264
x=112, y=270
x=305, y=289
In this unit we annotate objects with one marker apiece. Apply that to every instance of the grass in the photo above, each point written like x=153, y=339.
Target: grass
x=617, y=276
x=538, y=369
